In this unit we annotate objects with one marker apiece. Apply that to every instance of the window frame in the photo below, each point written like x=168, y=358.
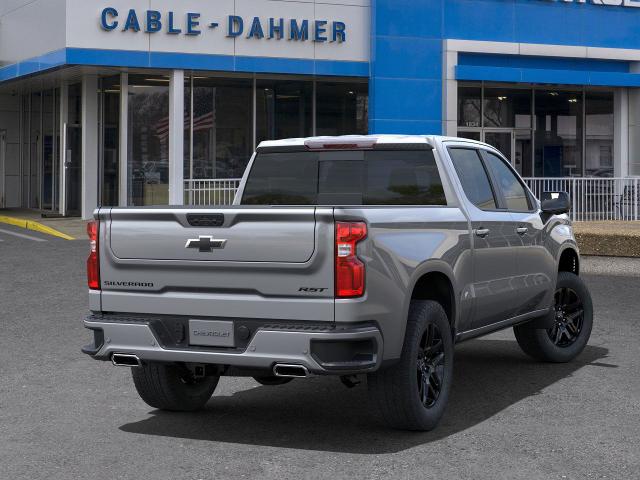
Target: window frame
x=496, y=193
x=496, y=184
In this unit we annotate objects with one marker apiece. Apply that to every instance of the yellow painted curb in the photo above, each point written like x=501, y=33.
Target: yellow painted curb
x=33, y=225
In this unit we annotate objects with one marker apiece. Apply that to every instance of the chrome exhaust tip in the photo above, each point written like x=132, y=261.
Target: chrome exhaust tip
x=125, y=360
x=290, y=371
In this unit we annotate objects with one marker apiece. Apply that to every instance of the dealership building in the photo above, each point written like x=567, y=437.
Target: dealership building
x=151, y=102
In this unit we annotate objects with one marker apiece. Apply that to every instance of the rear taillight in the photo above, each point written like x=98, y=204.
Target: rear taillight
x=93, y=265
x=349, y=269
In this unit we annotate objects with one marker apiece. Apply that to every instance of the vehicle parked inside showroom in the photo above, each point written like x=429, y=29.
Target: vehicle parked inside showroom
x=344, y=256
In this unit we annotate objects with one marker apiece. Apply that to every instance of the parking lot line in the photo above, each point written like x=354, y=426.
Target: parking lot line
x=22, y=235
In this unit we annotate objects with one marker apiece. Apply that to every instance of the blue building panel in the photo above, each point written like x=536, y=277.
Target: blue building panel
x=407, y=38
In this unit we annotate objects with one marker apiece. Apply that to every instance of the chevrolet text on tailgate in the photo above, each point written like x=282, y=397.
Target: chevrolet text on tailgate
x=340, y=256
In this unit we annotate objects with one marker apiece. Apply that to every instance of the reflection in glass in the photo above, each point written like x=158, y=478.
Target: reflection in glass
x=110, y=89
x=471, y=135
x=222, y=128
x=507, y=107
x=341, y=108
x=599, y=134
x=469, y=106
x=148, y=141
x=501, y=141
x=283, y=109
x=558, y=137
x=521, y=160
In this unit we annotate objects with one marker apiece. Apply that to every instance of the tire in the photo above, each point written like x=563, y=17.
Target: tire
x=272, y=380
x=172, y=387
x=573, y=323
x=398, y=391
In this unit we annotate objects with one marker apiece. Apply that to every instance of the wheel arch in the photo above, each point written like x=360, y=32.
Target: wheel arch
x=569, y=260
x=435, y=280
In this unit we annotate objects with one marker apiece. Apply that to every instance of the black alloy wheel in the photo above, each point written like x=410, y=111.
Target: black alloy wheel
x=572, y=323
x=430, y=366
x=569, y=312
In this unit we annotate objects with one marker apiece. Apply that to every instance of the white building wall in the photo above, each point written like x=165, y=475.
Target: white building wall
x=30, y=28
x=84, y=31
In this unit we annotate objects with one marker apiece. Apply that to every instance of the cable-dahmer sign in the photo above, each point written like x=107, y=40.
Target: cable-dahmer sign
x=192, y=23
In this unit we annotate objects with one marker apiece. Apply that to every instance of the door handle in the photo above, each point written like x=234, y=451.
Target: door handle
x=522, y=230
x=481, y=232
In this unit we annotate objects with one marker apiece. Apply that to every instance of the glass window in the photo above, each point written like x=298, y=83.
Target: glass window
x=110, y=90
x=75, y=104
x=31, y=188
x=345, y=178
x=473, y=177
x=341, y=108
x=282, y=179
x=599, y=134
x=558, y=135
x=283, y=109
x=49, y=163
x=507, y=107
x=514, y=193
x=469, y=106
x=471, y=135
x=148, y=140
x=222, y=127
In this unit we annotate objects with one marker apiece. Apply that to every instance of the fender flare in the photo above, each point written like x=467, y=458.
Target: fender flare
x=432, y=266
x=568, y=245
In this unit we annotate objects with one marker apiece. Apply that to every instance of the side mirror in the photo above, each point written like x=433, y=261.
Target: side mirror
x=555, y=203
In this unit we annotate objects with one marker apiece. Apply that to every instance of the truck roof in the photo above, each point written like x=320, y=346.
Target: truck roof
x=364, y=141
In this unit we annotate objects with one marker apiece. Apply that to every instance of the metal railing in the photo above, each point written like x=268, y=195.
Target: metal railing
x=594, y=198
x=213, y=191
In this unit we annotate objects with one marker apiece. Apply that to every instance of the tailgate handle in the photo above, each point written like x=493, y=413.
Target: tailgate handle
x=205, y=219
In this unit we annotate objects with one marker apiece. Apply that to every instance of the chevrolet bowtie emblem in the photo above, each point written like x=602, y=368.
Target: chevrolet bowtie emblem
x=205, y=243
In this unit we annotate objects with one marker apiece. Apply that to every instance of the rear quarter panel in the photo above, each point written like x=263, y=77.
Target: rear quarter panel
x=404, y=243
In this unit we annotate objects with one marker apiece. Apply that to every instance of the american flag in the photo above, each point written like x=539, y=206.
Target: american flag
x=203, y=122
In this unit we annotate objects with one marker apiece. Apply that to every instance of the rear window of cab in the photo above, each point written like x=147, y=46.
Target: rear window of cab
x=370, y=177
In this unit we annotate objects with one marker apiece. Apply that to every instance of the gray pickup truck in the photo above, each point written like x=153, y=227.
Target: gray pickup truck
x=340, y=256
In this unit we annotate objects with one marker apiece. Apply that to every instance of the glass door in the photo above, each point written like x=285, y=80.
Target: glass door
x=72, y=151
x=3, y=150
x=501, y=140
x=73, y=170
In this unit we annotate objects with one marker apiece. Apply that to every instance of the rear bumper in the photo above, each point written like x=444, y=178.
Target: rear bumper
x=330, y=350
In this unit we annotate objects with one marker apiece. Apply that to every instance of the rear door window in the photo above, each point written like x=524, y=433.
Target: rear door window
x=473, y=177
x=377, y=177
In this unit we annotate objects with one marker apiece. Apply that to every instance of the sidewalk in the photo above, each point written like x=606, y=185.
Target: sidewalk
x=70, y=226
x=616, y=239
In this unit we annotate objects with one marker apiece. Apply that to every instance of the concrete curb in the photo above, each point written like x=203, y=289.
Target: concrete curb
x=35, y=226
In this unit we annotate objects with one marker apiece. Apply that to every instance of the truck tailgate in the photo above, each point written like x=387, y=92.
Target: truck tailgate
x=231, y=262
x=250, y=235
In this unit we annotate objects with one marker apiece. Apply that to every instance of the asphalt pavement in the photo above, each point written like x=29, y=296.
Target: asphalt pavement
x=65, y=416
